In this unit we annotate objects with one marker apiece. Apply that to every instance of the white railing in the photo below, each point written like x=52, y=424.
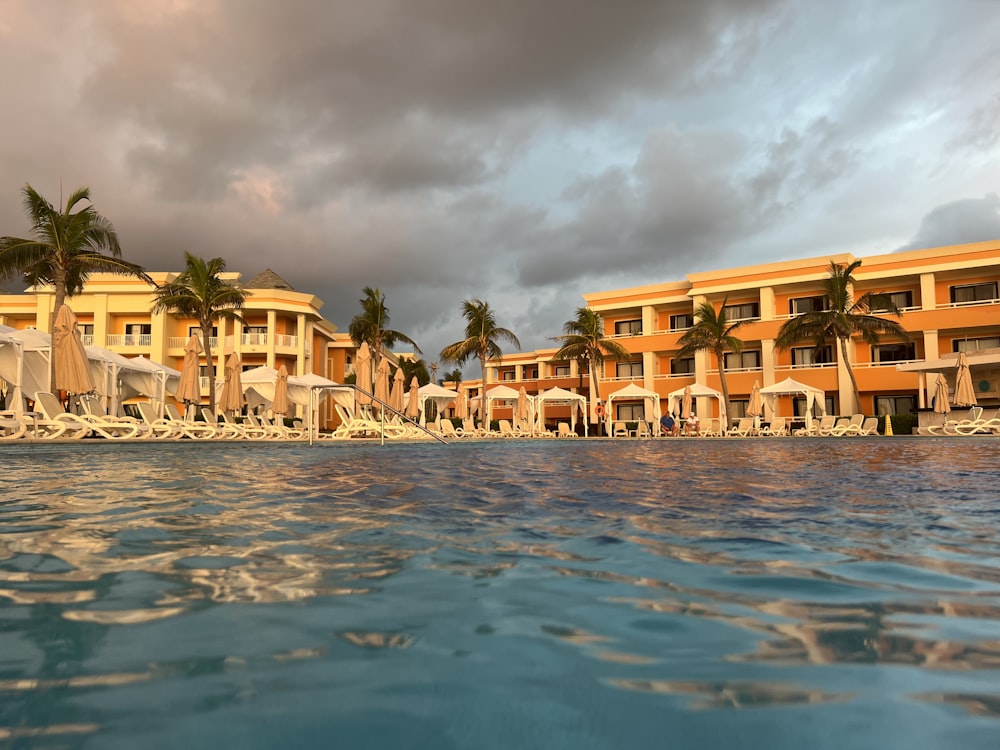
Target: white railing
x=87, y=339
x=141, y=340
x=285, y=341
x=178, y=342
x=254, y=339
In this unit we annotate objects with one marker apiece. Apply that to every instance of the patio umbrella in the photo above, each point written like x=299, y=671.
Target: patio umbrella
x=941, y=405
x=231, y=398
x=72, y=370
x=398, y=388
x=279, y=405
x=755, y=408
x=189, y=386
x=462, y=405
x=686, y=402
x=382, y=381
x=522, y=410
x=965, y=394
x=363, y=373
x=413, y=405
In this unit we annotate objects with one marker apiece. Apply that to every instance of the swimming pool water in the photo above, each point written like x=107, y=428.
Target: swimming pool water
x=840, y=593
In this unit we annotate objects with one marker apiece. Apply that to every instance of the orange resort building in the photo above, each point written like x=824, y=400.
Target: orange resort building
x=948, y=297
x=281, y=326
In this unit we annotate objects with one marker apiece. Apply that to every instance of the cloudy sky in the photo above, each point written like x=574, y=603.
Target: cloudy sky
x=522, y=152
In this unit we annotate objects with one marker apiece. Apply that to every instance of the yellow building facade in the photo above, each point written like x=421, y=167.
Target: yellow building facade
x=281, y=326
x=948, y=297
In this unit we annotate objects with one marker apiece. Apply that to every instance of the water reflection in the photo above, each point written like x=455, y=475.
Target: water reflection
x=623, y=564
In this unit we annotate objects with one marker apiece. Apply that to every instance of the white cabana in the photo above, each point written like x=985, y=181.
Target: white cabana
x=562, y=397
x=259, y=384
x=499, y=393
x=118, y=378
x=24, y=363
x=697, y=391
x=633, y=392
x=436, y=393
x=790, y=387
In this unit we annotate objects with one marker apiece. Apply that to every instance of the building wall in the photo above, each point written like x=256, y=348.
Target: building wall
x=926, y=279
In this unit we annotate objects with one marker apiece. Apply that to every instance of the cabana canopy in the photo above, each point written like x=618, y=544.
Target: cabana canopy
x=561, y=397
x=632, y=392
x=789, y=387
x=433, y=392
x=697, y=391
x=499, y=393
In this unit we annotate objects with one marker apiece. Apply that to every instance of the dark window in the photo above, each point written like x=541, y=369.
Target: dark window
x=681, y=322
x=807, y=356
x=509, y=375
x=975, y=345
x=800, y=305
x=895, y=404
x=748, y=360
x=799, y=406
x=744, y=311
x=562, y=371
x=628, y=370
x=628, y=327
x=899, y=299
x=629, y=412
x=738, y=409
x=683, y=366
x=974, y=292
x=894, y=352
x=196, y=331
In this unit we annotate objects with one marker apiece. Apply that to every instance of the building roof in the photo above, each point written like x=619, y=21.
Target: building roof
x=268, y=279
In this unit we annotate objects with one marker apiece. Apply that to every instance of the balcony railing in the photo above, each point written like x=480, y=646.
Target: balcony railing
x=135, y=340
x=178, y=342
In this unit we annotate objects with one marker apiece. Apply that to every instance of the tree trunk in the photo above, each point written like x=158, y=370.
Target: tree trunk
x=206, y=339
x=850, y=372
x=482, y=393
x=59, y=282
x=725, y=389
x=597, y=392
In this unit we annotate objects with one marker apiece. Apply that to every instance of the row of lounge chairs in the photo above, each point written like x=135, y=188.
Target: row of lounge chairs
x=974, y=424
x=51, y=421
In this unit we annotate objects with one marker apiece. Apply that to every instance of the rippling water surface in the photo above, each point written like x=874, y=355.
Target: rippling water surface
x=554, y=594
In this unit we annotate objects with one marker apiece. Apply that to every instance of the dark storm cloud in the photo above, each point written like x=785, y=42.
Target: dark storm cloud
x=959, y=222
x=520, y=152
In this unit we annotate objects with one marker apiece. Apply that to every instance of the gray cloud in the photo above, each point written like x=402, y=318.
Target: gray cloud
x=519, y=152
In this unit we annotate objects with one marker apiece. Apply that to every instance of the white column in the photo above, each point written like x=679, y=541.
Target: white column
x=768, y=362
x=928, y=295
x=272, y=327
x=301, y=337
x=648, y=319
x=649, y=370
x=767, y=309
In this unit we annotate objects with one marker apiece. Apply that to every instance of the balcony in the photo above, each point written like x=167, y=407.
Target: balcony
x=129, y=341
x=178, y=342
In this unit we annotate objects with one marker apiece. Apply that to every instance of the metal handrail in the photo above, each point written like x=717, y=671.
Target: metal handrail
x=375, y=399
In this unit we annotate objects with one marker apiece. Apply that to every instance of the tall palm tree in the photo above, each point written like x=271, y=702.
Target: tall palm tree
x=583, y=339
x=482, y=337
x=370, y=325
x=415, y=367
x=713, y=331
x=199, y=292
x=844, y=318
x=66, y=247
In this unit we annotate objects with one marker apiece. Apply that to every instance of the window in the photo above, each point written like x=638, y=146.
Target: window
x=508, y=375
x=196, y=331
x=628, y=327
x=683, y=366
x=894, y=352
x=800, y=305
x=681, y=322
x=738, y=409
x=255, y=335
x=138, y=334
x=745, y=311
x=748, y=360
x=807, y=356
x=628, y=370
x=630, y=412
x=899, y=299
x=895, y=404
x=561, y=371
x=974, y=292
x=531, y=373
x=975, y=345
x=799, y=407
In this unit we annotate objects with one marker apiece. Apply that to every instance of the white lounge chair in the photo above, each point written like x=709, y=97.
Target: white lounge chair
x=156, y=427
x=776, y=427
x=642, y=429
x=189, y=428
x=13, y=426
x=283, y=432
x=743, y=428
x=869, y=427
x=564, y=431
x=619, y=429
x=848, y=427
x=93, y=408
x=819, y=429
x=81, y=425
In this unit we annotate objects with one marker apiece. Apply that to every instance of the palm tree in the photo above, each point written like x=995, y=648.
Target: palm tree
x=370, y=325
x=844, y=318
x=583, y=339
x=199, y=292
x=65, y=248
x=482, y=335
x=713, y=331
x=415, y=367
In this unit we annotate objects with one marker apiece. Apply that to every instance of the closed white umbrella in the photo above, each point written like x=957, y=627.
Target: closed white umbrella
x=72, y=370
x=965, y=394
x=189, y=386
